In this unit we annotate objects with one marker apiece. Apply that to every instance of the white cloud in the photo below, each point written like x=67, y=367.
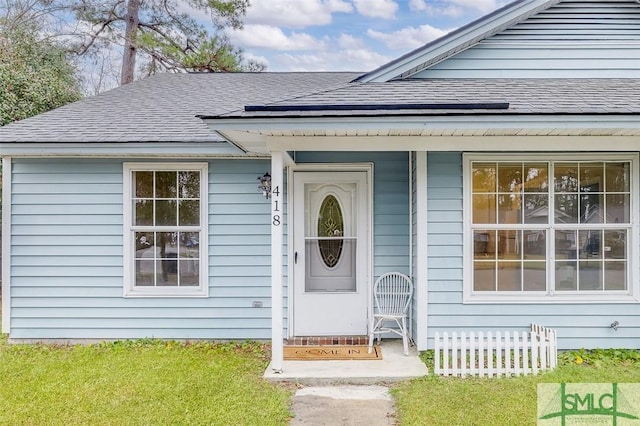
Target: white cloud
x=417, y=5
x=340, y=60
x=385, y=9
x=408, y=38
x=265, y=36
x=295, y=13
x=455, y=8
x=346, y=41
x=483, y=6
x=257, y=58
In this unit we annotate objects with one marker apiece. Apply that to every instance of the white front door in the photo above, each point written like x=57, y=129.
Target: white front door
x=331, y=246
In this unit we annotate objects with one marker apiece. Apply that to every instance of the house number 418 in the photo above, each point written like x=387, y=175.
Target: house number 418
x=276, y=207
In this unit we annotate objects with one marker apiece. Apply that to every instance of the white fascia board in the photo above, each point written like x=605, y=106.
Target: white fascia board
x=455, y=143
x=462, y=121
x=119, y=150
x=458, y=40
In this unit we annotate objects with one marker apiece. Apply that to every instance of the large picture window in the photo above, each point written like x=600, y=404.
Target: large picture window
x=549, y=227
x=165, y=218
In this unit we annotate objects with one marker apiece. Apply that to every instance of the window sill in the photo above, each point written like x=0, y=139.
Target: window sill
x=195, y=292
x=544, y=298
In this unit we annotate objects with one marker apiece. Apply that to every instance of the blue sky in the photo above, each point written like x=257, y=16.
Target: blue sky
x=347, y=35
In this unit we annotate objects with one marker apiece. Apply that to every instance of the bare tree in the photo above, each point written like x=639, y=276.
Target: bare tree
x=163, y=33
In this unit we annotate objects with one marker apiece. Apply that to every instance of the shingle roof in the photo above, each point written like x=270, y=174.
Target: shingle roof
x=523, y=96
x=163, y=108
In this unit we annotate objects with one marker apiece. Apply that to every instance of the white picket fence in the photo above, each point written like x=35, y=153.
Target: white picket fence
x=499, y=354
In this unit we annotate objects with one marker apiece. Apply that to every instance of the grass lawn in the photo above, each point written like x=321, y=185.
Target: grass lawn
x=138, y=383
x=435, y=400
x=151, y=382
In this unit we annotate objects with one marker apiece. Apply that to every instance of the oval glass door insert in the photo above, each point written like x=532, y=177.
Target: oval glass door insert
x=330, y=224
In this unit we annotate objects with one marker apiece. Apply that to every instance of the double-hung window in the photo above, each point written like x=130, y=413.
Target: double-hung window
x=165, y=229
x=550, y=227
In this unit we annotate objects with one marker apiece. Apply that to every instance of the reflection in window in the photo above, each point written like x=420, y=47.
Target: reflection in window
x=165, y=220
x=585, y=211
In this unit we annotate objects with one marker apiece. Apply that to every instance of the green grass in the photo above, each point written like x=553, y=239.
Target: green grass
x=147, y=382
x=435, y=400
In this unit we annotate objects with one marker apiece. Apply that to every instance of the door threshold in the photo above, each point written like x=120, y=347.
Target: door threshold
x=327, y=340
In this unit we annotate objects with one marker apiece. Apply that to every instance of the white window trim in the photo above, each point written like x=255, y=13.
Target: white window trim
x=631, y=295
x=130, y=290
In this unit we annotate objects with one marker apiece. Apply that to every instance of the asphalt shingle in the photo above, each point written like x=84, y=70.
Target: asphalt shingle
x=163, y=108
x=524, y=96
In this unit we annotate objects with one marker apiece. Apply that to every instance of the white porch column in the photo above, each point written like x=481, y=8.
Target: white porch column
x=421, y=280
x=277, y=224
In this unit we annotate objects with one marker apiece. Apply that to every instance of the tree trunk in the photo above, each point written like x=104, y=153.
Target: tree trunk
x=129, y=57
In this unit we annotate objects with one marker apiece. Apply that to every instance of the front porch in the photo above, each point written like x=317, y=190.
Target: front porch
x=393, y=367
x=386, y=235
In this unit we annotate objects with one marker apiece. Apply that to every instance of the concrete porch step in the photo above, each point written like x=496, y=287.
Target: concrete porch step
x=393, y=367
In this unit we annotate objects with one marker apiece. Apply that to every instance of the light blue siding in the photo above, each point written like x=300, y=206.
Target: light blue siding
x=67, y=257
x=573, y=39
x=390, y=204
x=67, y=251
x=578, y=325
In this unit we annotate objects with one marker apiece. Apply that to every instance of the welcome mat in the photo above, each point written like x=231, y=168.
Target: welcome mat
x=331, y=353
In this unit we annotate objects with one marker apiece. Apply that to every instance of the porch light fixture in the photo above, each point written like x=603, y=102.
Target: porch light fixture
x=265, y=185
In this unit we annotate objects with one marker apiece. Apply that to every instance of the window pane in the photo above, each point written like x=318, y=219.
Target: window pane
x=536, y=177
x=509, y=242
x=566, y=276
x=615, y=244
x=484, y=209
x=166, y=213
x=509, y=208
x=509, y=276
x=143, y=212
x=189, y=212
x=618, y=177
x=535, y=276
x=189, y=258
x=484, y=177
x=618, y=208
x=535, y=244
x=591, y=177
x=167, y=263
x=591, y=208
x=566, y=209
x=484, y=244
x=566, y=247
x=166, y=184
x=484, y=276
x=536, y=208
x=509, y=177
x=615, y=275
x=189, y=272
x=590, y=275
x=589, y=244
x=143, y=184
x=565, y=177
x=189, y=184
x=145, y=258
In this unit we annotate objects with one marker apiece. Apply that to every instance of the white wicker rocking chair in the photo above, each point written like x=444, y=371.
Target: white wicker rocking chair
x=392, y=293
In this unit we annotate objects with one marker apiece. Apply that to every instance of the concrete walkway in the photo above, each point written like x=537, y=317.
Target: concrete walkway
x=343, y=405
x=393, y=367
